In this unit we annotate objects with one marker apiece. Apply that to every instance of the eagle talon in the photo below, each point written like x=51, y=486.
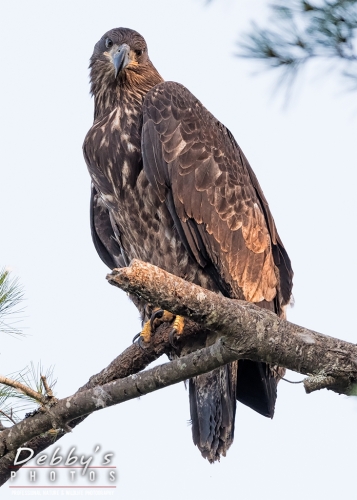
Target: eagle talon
x=178, y=327
x=149, y=327
x=178, y=324
x=172, y=338
x=157, y=314
x=162, y=316
x=136, y=337
x=141, y=343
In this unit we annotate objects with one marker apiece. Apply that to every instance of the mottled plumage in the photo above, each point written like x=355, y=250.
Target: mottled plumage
x=172, y=187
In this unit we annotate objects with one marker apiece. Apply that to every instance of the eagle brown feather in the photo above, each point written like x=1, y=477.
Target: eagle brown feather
x=211, y=184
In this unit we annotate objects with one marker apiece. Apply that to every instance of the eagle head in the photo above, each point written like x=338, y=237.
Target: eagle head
x=120, y=59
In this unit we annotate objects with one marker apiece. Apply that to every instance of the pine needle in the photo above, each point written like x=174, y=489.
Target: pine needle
x=11, y=295
x=25, y=391
x=301, y=30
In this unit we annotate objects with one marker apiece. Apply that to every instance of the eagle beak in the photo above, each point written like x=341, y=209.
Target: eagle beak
x=121, y=58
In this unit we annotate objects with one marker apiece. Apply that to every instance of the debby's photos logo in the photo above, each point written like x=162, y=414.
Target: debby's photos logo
x=63, y=471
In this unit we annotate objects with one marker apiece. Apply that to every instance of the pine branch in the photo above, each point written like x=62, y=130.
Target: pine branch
x=303, y=30
x=24, y=389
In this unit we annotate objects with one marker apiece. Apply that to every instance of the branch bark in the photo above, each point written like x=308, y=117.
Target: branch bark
x=238, y=330
x=115, y=392
x=251, y=332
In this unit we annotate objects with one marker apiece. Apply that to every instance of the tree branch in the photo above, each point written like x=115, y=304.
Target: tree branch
x=47, y=388
x=9, y=417
x=24, y=389
x=115, y=392
x=238, y=330
x=251, y=332
x=131, y=361
x=301, y=30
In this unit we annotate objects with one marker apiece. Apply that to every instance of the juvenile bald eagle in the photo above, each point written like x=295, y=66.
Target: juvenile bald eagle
x=171, y=186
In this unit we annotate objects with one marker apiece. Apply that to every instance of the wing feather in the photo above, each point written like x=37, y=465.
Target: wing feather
x=215, y=195
x=103, y=235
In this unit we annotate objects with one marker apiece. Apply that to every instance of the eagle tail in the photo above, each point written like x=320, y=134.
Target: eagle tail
x=213, y=399
x=257, y=386
x=213, y=408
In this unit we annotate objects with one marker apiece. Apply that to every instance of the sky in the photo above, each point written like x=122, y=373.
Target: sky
x=304, y=157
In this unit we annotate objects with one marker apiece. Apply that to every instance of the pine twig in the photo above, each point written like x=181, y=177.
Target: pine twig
x=24, y=389
x=8, y=417
x=47, y=387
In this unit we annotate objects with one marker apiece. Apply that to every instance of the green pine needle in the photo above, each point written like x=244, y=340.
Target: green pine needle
x=301, y=31
x=13, y=402
x=11, y=295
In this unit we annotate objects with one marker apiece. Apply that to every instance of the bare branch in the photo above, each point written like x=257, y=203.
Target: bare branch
x=47, y=387
x=253, y=333
x=118, y=391
x=9, y=417
x=317, y=382
x=239, y=330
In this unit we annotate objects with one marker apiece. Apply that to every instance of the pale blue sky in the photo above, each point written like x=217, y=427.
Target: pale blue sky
x=304, y=157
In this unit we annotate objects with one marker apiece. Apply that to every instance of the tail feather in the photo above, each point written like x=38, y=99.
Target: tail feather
x=213, y=408
x=213, y=399
x=256, y=386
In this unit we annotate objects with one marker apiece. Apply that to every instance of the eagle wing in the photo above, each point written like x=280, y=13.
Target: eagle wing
x=103, y=236
x=219, y=209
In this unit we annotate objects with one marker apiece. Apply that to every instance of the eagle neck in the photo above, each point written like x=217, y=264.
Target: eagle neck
x=128, y=92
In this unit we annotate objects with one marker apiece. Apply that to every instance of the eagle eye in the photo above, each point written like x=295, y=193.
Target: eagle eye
x=138, y=52
x=108, y=43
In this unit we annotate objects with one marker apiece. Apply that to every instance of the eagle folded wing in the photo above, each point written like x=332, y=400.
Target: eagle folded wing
x=103, y=234
x=195, y=165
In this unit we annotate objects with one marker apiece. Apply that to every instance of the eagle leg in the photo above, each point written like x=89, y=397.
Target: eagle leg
x=146, y=332
x=140, y=341
x=161, y=316
x=158, y=316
